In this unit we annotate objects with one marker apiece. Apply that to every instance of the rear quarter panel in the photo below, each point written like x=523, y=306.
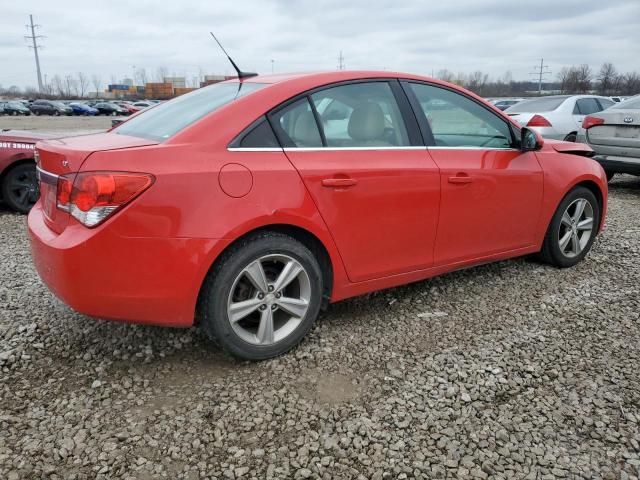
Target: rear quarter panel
x=12, y=151
x=562, y=172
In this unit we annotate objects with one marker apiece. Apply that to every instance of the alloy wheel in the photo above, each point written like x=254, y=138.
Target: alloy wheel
x=576, y=227
x=269, y=299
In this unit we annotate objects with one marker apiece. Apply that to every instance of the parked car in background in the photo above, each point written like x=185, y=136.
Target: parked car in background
x=505, y=103
x=314, y=188
x=614, y=135
x=50, y=107
x=558, y=117
x=83, y=109
x=19, y=187
x=13, y=107
x=108, y=108
x=128, y=107
x=142, y=105
x=618, y=99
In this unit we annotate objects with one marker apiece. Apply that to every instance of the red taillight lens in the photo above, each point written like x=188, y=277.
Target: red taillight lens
x=589, y=122
x=538, y=121
x=94, y=196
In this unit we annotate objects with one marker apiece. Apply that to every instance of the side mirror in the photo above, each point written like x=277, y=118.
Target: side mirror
x=531, y=140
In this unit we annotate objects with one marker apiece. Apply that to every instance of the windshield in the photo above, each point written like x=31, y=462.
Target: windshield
x=164, y=121
x=631, y=103
x=537, y=105
x=16, y=105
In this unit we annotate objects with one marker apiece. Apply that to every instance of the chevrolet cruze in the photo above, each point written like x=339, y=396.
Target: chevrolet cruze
x=249, y=205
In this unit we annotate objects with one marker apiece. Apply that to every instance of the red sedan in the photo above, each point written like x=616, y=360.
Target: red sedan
x=250, y=205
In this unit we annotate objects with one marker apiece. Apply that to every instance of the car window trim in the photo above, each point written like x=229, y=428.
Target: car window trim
x=424, y=124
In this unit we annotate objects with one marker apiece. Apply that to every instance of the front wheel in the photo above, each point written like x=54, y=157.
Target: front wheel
x=573, y=229
x=262, y=297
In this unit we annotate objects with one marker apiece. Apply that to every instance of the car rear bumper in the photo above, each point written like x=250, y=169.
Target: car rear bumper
x=619, y=164
x=103, y=275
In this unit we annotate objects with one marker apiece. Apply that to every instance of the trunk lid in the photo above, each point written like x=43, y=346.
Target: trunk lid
x=65, y=156
x=621, y=128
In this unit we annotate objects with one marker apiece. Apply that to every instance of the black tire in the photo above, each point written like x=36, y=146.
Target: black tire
x=212, y=305
x=37, y=113
x=551, y=252
x=14, y=113
x=20, y=188
x=609, y=175
x=572, y=137
x=56, y=113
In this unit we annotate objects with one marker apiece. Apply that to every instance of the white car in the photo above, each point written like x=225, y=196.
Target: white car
x=558, y=117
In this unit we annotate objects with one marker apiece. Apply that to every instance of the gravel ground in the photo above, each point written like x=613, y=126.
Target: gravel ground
x=510, y=370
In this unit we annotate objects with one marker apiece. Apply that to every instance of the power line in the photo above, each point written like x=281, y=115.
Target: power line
x=341, y=65
x=34, y=38
x=540, y=71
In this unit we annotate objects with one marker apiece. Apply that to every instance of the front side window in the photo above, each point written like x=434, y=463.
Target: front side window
x=164, y=121
x=458, y=121
x=361, y=115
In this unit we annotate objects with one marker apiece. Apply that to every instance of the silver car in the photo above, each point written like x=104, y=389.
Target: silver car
x=558, y=117
x=615, y=137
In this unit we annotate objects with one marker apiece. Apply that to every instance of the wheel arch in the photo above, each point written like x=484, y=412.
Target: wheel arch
x=13, y=163
x=303, y=235
x=597, y=192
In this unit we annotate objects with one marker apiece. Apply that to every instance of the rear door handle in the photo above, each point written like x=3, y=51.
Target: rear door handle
x=460, y=179
x=338, y=182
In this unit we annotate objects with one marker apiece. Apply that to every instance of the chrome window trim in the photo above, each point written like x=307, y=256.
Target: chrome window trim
x=342, y=149
x=46, y=177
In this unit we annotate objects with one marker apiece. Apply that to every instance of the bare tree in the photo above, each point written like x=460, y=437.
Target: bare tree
x=57, y=86
x=161, y=73
x=446, y=75
x=82, y=83
x=606, y=78
x=477, y=81
x=563, y=78
x=631, y=83
x=70, y=86
x=141, y=76
x=584, y=78
x=96, y=81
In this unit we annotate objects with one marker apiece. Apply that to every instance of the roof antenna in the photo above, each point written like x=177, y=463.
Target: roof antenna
x=241, y=74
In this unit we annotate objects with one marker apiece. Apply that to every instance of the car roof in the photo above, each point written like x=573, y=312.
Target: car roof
x=330, y=76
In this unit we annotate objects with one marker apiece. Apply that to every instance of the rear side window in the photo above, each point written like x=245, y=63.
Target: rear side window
x=605, y=103
x=164, y=121
x=259, y=135
x=586, y=106
x=360, y=115
x=537, y=106
x=296, y=125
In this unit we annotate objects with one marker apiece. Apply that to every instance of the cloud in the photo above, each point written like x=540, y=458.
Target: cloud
x=113, y=38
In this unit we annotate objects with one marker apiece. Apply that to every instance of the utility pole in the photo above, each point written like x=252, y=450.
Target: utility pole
x=34, y=38
x=540, y=71
x=341, y=65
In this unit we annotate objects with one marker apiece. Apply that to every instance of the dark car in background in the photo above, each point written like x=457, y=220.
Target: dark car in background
x=106, y=108
x=13, y=107
x=49, y=107
x=83, y=109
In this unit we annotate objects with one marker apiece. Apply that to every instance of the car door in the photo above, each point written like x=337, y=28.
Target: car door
x=363, y=162
x=491, y=192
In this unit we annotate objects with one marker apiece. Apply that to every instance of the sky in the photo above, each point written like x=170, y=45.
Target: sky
x=113, y=39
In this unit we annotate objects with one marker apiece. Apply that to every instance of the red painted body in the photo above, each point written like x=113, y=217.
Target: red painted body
x=17, y=147
x=401, y=216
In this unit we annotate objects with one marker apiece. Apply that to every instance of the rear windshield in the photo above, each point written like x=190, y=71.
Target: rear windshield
x=537, y=105
x=163, y=121
x=631, y=103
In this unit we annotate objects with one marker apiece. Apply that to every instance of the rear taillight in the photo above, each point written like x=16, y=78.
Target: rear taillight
x=589, y=122
x=538, y=121
x=90, y=197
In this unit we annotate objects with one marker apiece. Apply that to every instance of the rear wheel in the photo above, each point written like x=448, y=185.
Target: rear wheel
x=262, y=297
x=56, y=113
x=20, y=187
x=572, y=229
x=609, y=174
x=572, y=137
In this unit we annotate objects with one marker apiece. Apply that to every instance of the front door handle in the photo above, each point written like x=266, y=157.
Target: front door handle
x=461, y=179
x=338, y=182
